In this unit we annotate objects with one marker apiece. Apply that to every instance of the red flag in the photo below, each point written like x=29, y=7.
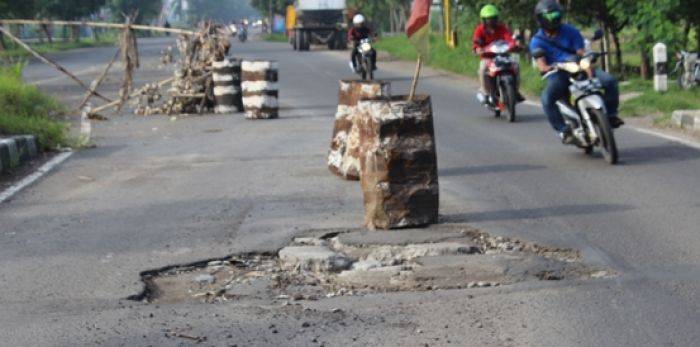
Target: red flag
x=418, y=27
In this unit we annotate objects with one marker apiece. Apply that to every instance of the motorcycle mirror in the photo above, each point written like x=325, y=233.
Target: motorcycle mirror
x=598, y=35
x=538, y=53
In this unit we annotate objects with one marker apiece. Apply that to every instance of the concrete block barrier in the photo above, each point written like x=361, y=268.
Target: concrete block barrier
x=260, y=90
x=398, y=160
x=17, y=150
x=344, y=154
x=227, y=86
x=686, y=119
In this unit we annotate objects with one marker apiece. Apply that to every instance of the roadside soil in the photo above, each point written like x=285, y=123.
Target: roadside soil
x=7, y=179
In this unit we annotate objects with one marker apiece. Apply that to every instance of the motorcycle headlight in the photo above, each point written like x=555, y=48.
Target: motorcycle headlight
x=585, y=63
x=365, y=47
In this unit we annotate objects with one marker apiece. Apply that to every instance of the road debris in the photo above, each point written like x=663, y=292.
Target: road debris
x=351, y=263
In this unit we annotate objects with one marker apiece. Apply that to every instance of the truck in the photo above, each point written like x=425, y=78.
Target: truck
x=317, y=22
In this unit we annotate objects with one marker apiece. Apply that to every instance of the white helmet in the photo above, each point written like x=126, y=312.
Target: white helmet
x=358, y=19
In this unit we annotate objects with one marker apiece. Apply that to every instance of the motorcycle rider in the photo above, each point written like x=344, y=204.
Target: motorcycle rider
x=562, y=43
x=489, y=31
x=357, y=33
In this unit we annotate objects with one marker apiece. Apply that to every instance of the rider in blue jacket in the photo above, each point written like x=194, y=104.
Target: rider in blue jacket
x=563, y=43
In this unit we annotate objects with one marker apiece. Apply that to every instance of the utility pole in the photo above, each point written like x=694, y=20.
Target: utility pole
x=270, y=17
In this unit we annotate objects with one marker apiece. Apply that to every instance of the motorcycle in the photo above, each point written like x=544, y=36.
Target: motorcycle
x=688, y=67
x=503, y=69
x=365, y=67
x=243, y=35
x=585, y=110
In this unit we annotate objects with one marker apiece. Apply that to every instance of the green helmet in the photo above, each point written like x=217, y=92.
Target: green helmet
x=489, y=11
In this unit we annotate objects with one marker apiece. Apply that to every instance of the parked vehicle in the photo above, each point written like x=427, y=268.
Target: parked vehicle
x=365, y=65
x=585, y=110
x=503, y=69
x=317, y=22
x=688, y=68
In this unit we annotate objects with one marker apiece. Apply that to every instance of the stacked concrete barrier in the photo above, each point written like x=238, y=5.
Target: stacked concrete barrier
x=260, y=91
x=399, y=174
x=344, y=155
x=227, y=86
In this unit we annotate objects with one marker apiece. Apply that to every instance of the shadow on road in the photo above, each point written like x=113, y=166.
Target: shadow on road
x=488, y=169
x=667, y=153
x=536, y=213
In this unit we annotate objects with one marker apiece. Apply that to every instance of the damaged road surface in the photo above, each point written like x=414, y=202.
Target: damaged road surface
x=322, y=265
x=591, y=255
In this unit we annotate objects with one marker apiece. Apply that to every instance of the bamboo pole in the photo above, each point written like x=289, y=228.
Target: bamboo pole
x=51, y=63
x=131, y=96
x=416, y=75
x=96, y=25
x=97, y=82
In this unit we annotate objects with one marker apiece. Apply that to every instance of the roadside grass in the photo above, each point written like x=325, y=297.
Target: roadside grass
x=660, y=105
x=461, y=60
x=16, y=52
x=25, y=110
x=275, y=38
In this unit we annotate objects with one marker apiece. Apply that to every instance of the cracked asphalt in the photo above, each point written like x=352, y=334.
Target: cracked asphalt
x=156, y=192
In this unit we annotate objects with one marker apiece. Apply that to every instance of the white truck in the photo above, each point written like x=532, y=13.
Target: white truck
x=320, y=22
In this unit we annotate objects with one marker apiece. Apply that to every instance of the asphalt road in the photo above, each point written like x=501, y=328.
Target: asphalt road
x=156, y=192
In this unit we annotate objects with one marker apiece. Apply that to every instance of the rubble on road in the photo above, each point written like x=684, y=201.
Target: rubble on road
x=316, y=267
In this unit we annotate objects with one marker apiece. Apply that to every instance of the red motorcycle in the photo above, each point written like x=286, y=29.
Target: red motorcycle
x=501, y=83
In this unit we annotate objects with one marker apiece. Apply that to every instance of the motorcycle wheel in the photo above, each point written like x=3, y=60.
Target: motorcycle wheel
x=606, y=136
x=509, y=99
x=370, y=69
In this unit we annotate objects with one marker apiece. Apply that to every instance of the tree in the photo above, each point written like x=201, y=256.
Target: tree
x=67, y=10
x=219, y=10
x=654, y=21
x=147, y=9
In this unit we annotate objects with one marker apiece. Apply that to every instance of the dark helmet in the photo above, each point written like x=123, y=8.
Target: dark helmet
x=549, y=14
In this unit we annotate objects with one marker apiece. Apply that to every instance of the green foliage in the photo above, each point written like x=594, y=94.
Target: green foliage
x=219, y=10
x=460, y=60
x=43, y=48
x=147, y=9
x=662, y=105
x=25, y=110
x=68, y=9
x=278, y=6
x=275, y=38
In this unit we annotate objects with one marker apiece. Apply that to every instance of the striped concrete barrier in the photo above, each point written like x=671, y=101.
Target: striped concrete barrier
x=260, y=90
x=227, y=86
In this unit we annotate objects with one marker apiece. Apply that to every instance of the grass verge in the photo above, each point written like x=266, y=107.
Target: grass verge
x=275, y=38
x=25, y=110
x=461, y=60
x=16, y=52
x=660, y=105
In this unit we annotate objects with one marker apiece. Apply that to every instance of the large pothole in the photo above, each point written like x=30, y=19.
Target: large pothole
x=323, y=264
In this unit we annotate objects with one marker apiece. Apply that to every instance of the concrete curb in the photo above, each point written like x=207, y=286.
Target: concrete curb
x=686, y=119
x=17, y=150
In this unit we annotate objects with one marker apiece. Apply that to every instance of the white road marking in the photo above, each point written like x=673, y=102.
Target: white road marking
x=677, y=139
x=29, y=180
